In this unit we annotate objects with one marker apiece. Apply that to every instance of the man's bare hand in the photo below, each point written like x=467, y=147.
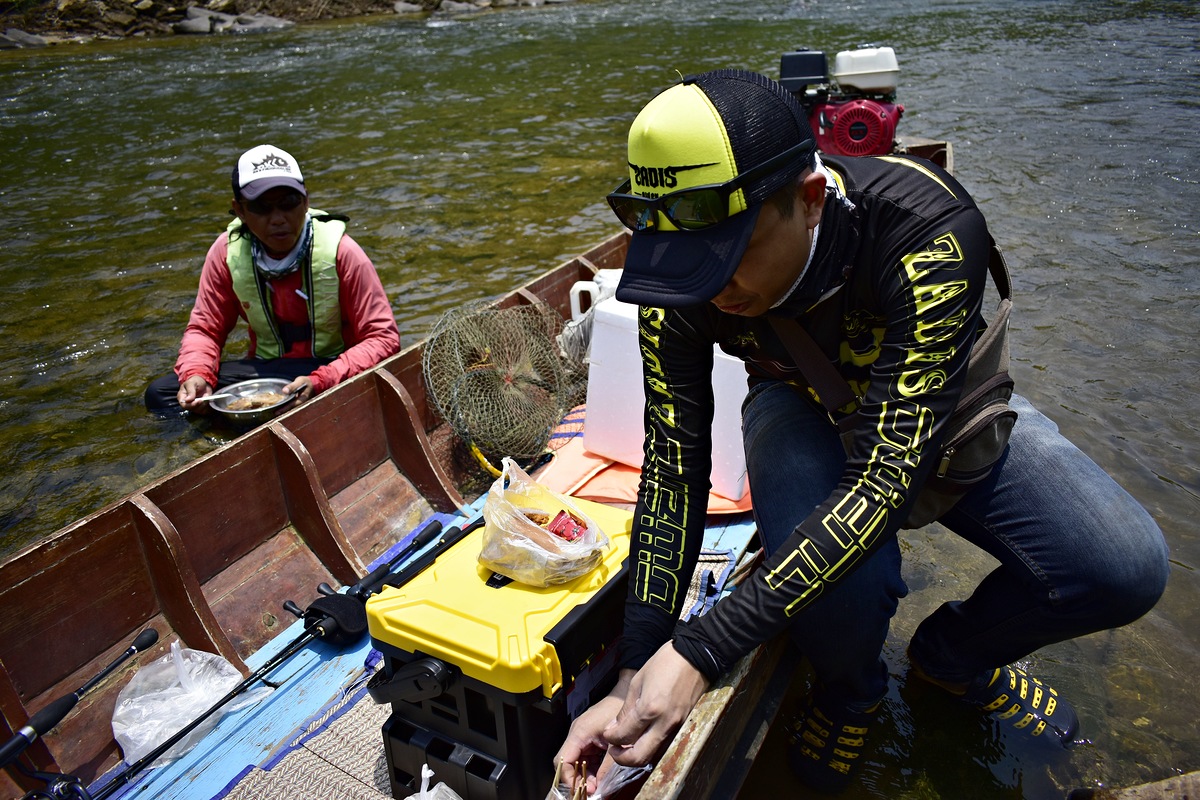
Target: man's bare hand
x=190, y=393
x=301, y=387
x=660, y=696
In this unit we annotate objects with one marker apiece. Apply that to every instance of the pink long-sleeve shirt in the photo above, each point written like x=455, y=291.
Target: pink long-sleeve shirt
x=368, y=325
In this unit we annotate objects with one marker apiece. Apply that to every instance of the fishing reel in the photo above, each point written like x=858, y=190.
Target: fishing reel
x=337, y=618
x=342, y=618
x=853, y=109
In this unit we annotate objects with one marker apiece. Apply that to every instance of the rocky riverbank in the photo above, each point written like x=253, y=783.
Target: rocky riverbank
x=38, y=23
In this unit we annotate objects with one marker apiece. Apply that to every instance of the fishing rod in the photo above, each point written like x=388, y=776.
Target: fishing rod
x=123, y=777
x=58, y=786
x=450, y=537
x=46, y=719
x=338, y=618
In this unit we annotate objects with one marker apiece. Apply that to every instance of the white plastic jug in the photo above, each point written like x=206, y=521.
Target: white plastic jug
x=602, y=286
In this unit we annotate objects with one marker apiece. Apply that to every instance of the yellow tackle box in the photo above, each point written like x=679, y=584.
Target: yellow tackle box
x=484, y=675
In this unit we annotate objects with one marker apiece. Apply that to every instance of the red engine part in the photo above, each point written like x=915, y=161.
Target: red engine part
x=855, y=127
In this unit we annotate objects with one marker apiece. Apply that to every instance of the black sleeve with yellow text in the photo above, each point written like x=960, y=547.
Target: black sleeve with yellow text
x=669, y=518
x=919, y=274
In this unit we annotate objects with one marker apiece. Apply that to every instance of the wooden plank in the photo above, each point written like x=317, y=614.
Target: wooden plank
x=13, y=715
x=410, y=446
x=70, y=599
x=225, y=504
x=308, y=506
x=1179, y=787
x=705, y=745
x=937, y=151
x=248, y=597
x=78, y=750
x=179, y=593
x=376, y=511
x=308, y=681
x=344, y=432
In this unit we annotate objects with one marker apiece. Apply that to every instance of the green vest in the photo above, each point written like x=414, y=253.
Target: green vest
x=320, y=283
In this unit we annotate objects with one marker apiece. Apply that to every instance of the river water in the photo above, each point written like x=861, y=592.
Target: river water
x=474, y=152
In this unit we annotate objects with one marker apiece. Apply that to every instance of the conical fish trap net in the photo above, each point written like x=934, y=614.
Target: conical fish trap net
x=499, y=379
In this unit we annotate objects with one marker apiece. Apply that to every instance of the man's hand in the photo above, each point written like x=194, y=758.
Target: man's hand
x=584, y=741
x=301, y=387
x=190, y=392
x=660, y=696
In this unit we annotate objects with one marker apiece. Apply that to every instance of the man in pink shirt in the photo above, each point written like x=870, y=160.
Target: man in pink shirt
x=314, y=304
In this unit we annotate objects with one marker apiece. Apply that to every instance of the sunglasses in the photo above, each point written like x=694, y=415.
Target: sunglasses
x=697, y=207
x=287, y=202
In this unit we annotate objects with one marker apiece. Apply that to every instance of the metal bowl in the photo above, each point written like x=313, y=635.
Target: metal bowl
x=252, y=416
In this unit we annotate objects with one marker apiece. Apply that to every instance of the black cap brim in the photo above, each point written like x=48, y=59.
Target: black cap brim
x=676, y=269
x=253, y=189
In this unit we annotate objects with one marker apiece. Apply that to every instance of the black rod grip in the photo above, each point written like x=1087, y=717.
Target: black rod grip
x=375, y=579
x=450, y=537
x=144, y=640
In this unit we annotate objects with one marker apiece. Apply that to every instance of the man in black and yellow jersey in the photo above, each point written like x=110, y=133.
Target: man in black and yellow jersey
x=884, y=262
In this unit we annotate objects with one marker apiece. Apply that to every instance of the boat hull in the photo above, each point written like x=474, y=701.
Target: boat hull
x=208, y=554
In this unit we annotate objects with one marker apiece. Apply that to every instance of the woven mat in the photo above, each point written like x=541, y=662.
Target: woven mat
x=708, y=582
x=338, y=756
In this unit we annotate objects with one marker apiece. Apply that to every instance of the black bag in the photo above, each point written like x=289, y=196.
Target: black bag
x=980, y=426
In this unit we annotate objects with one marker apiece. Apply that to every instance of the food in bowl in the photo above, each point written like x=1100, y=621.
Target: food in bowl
x=256, y=400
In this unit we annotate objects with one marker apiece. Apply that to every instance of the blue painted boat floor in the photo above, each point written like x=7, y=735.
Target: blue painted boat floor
x=319, y=733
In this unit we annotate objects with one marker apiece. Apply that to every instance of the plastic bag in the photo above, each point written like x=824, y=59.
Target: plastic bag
x=613, y=781
x=439, y=792
x=165, y=695
x=516, y=539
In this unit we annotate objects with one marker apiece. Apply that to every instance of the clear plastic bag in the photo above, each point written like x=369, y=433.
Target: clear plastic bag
x=613, y=781
x=439, y=792
x=516, y=545
x=165, y=695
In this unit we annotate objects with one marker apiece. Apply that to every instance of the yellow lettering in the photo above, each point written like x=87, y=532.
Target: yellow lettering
x=896, y=453
x=860, y=516
x=662, y=557
x=653, y=316
x=936, y=294
x=664, y=412
x=856, y=520
x=916, y=382
x=930, y=332
x=803, y=564
x=943, y=249
x=662, y=528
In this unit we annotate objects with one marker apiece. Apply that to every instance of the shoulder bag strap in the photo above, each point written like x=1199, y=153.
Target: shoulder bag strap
x=830, y=386
x=998, y=267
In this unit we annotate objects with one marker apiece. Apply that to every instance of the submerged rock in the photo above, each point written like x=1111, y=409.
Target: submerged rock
x=13, y=38
x=50, y=22
x=203, y=20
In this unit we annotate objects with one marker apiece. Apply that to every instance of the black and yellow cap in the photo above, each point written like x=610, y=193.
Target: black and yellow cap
x=705, y=130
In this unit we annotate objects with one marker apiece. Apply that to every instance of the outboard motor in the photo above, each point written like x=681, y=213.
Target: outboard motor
x=853, y=110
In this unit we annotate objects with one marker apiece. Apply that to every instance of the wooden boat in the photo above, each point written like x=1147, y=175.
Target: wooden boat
x=208, y=554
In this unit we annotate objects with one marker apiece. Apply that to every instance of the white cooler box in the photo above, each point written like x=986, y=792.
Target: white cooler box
x=616, y=401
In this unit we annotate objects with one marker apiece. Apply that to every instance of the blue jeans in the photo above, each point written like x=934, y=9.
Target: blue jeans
x=1077, y=553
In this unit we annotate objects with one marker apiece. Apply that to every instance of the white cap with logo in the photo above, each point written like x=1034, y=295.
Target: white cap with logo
x=265, y=167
